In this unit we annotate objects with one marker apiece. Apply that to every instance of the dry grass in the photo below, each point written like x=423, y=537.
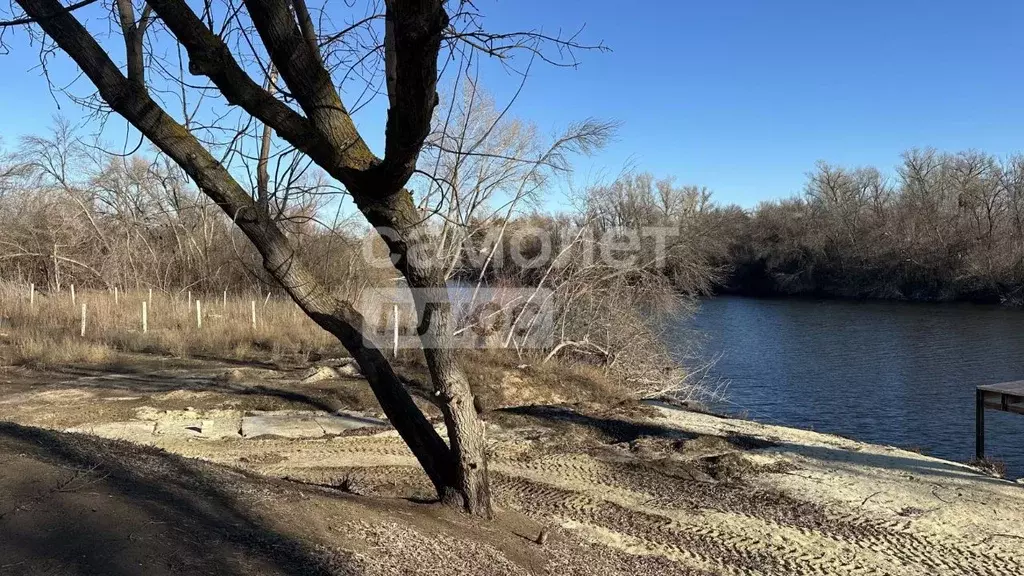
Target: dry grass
x=500, y=378
x=990, y=466
x=47, y=334
x=48, y=331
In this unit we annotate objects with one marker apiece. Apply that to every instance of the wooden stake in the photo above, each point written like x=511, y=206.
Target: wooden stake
x=31, y=295
x=145, y=318
x=115, y=295
x=83, y=319
x=199, y=314
x=150, y=300
x=396, y=331
x=72, y=294
x=225, y=299
x=253, y=314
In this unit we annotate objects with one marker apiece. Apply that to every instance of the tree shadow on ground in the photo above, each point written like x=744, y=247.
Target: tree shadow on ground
x=81, y=505
x=328, y=396
x=923, y=468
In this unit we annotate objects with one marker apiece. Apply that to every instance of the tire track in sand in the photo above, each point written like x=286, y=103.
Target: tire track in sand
x=596, y=498
x=721, y=528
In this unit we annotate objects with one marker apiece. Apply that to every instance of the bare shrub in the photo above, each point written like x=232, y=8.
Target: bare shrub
x=990, y=466
x=72, y=214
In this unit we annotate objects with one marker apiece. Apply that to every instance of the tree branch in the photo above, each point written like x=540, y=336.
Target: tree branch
x=209, y=56
x=412, y=41
x=133, y=36
x=308, y=31
x=313, y=88
x=60, y=10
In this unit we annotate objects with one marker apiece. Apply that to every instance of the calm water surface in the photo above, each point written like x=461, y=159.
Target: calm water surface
x=891, y=373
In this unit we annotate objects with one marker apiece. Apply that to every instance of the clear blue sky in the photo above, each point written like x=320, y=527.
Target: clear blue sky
x=743, y=96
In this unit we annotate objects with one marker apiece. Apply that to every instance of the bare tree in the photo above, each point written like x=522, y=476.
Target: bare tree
x=481, y=167
x=308, y=113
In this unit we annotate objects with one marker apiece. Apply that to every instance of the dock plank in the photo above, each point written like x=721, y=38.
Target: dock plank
x=1005, y=397
x=1015, y=388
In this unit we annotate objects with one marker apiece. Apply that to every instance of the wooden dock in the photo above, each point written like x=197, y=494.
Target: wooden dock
x=1006, y=396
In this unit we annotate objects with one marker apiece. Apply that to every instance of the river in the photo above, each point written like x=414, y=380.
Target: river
x=885, y=372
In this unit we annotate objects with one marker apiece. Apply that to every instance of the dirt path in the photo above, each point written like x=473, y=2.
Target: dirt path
x=667, y=490
x=80, y=505
x=71, y=505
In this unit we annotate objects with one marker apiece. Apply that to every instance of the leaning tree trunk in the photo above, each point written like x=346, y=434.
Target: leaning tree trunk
x=459, y=473
x=345, y=323
x=401, y=227
x=329, y=136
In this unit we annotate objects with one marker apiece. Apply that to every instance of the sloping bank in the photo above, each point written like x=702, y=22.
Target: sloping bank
x=630, y=490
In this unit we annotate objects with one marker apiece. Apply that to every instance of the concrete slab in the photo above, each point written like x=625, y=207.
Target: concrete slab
x=442, y=431
x=226, y=427
x=325, y=372
x=348, y=371
x=314, y=375
x=286, y=424
x=342, y=421
x=207, y=429
x=305, y=424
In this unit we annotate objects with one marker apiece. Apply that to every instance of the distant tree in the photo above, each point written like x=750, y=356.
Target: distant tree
x=944, y=226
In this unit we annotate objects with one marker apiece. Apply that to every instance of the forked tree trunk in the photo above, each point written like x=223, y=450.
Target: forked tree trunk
x=328, y=135
x=401, y=228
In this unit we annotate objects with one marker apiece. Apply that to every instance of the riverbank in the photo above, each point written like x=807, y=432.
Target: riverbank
x=1011, y=297
x=631, y=489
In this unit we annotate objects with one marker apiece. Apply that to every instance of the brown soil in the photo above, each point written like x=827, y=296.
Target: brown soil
x=75, y=504
x=629, y=489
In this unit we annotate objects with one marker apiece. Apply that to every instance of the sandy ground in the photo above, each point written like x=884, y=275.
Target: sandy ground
x=638, y=490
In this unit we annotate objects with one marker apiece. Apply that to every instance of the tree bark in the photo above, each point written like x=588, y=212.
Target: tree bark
x=328, y=135
x=466, y=432
x=399, y=221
